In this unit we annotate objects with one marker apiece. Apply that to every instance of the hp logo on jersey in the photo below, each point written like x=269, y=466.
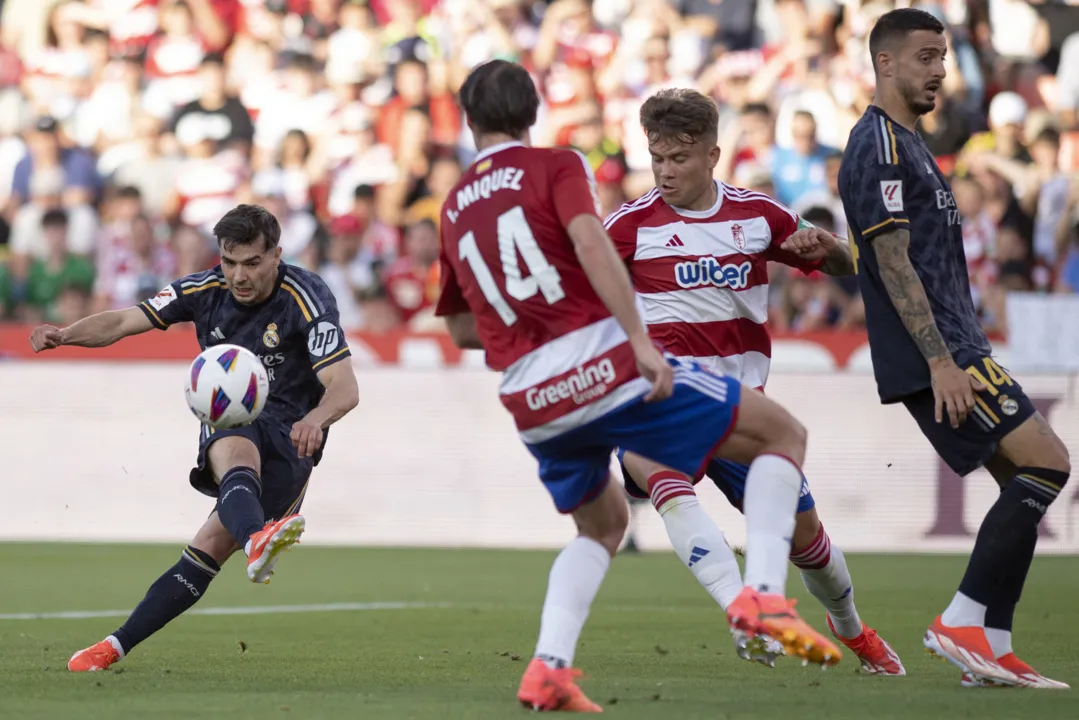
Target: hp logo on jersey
x=323, y=339
x=709, y=271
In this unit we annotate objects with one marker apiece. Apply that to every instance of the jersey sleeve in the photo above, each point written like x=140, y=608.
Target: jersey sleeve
x=784, y=223
x=451, y=301
x=623, y=234
x=874, y=196
x=172, y=305
x=318, y=319
x=574, y=187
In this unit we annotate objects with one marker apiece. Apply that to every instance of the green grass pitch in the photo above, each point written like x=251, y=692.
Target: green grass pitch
x=655, y=646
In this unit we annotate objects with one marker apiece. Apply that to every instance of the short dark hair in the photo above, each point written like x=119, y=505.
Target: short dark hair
x=425, y=223
x=213, y=58
x=500, y=97
x=755, y=108
x=894, y=27
x=245, y=224
x=1047, y=135
x=820, y=216
x=680, y=114
x=128, y=192
x=54, y=218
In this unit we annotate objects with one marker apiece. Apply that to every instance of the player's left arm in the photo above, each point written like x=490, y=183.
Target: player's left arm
x=816, y=244
x=330, y=358
x=341, y=396
x=802, y=245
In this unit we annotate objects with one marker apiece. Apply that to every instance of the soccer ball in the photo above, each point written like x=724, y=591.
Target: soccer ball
x=227, y=387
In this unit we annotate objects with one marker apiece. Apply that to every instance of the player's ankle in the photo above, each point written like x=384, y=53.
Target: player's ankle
x=116, y=645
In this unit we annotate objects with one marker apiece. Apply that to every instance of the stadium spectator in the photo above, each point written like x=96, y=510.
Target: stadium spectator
x=56, y=286
x=341, y=114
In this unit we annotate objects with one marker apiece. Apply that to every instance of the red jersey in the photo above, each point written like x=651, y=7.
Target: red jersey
x=507, y=258
x=411, y=288
x=703, y=275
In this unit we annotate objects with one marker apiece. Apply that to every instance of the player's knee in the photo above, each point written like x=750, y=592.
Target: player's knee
x=789, y=438
x=231, y=452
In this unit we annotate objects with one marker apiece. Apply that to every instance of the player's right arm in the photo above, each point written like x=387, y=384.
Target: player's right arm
x=98, y=330
x=876, y=188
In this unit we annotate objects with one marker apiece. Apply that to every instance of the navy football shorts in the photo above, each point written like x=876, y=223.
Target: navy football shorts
x=681, y=432
x=284, y=475
x=729, y=477
x=999, y=409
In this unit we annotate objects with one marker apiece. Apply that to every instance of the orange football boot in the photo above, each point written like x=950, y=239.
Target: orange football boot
x=753, y=614
x=1028, y=676
x=545, y=689
x=968, y=649
x=267, y=544
x=96, y=657
x=875, y=654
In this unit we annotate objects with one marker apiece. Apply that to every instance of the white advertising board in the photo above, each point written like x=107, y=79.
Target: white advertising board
x=101, y=452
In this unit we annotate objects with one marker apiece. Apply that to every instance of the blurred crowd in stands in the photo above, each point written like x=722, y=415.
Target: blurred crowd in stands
x=128, y=127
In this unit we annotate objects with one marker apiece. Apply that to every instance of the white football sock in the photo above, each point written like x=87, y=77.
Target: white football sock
x=825, y=574
x=697, y=540
x=963, y=612
x=116, y=645
x=575, y=578
x=1000, y=641
x=771, y=500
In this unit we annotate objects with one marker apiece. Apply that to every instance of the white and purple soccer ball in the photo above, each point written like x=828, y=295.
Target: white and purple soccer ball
x=227, y=387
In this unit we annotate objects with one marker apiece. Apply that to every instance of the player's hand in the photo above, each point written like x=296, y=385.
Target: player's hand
x=655, y=369
x=307, y=437
x=953, y=390
x=811, y=243
x=46, y=337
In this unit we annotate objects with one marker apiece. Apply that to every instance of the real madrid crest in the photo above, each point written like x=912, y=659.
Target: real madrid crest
x=270, y=338
x=1007, y=405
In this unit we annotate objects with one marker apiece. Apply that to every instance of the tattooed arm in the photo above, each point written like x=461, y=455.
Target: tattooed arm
x=810, y=245
x=838, y=262
x=908, y=294
x=953, y=389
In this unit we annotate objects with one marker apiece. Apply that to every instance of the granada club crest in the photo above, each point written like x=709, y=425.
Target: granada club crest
x=739, y=236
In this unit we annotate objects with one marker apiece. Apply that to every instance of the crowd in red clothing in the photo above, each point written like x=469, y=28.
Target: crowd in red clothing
x=128, y=127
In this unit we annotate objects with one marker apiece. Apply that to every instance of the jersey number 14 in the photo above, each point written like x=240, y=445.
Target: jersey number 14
x=514, y=236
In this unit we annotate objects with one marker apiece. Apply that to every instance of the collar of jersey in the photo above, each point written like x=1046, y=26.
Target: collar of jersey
x=488, y=152
x=699, y=214
x=880, y=111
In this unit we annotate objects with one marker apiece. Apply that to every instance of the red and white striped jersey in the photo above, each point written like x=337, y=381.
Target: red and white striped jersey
x=131, y=24
x=507, y=258
x=703, y=275
x=206, y=188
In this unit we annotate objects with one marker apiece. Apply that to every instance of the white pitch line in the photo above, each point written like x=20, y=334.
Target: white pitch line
x=255, y=610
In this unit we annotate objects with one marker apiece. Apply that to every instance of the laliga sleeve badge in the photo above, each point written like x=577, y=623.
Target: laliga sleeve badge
x=1007, y=405
x=270, y=338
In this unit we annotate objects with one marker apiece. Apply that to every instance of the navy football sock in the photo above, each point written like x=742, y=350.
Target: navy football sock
x=171, y=595
x=1006, y=540
x=238, y=503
